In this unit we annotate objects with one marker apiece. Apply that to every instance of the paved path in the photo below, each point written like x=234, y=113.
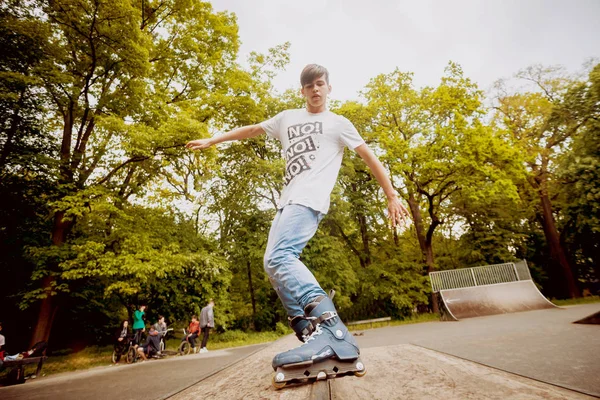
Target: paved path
x=543, y=345
x=151, y=380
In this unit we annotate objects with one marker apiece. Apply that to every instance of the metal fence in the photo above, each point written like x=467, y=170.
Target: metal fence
x=476, y=276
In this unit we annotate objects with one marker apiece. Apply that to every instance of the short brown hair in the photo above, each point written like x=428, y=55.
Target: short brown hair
x=312, y=72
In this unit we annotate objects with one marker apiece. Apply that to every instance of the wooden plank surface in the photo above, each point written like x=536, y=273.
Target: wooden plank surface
x=393, y=372
x=248, y=379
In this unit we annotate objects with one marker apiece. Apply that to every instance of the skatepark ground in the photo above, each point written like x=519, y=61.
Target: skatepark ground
x=529, y=355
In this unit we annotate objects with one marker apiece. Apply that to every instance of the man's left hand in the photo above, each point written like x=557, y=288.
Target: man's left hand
x=398, y=214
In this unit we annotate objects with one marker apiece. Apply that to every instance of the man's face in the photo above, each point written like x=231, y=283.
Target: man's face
x=316, y=91
x=161, y=320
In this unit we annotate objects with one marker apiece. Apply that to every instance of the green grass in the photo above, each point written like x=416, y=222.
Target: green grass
x=95, y=356
x=581, y=300
x=228, y=339
x=412, y=320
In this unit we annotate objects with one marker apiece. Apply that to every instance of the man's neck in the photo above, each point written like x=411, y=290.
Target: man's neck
x=316, y=110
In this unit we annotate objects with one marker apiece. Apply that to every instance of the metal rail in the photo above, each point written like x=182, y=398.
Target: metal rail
x=477, y=276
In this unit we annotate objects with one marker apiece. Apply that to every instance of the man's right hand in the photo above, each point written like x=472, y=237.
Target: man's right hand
x=199, y=144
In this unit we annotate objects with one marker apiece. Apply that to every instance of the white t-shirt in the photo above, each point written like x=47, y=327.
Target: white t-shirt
x=2, y=342
x=313, y=147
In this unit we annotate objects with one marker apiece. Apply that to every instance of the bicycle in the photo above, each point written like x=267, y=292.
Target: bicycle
x=185, y=347
x=129, y=351
x=162, y=339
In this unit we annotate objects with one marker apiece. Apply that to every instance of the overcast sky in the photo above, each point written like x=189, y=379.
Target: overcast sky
x=358, y=39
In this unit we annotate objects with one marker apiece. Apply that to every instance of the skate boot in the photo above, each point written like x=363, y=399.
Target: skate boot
x=329, y=351
x=302, y=325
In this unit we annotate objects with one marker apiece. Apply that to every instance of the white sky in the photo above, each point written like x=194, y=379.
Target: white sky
x=359, y=39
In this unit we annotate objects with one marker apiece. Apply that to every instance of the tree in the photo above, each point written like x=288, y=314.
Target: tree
x=436, y=147
x=128, y=86
x=579, y=174
x=541, y=126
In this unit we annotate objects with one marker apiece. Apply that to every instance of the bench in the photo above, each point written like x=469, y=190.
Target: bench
x=19, y=365
x=370, y=321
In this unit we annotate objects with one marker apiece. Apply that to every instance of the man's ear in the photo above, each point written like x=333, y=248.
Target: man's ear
x=302, y=92
x=329, y=87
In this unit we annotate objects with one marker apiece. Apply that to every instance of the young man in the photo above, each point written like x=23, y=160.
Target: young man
x=313, y=141
x=161, y=326
x=207, y=321
x=192, y=332
x=151, y=346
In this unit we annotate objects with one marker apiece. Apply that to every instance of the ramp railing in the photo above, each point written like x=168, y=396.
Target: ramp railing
x=477, y=276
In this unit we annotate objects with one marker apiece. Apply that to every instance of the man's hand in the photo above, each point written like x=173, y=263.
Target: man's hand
x=199, y=144
x=397, y=212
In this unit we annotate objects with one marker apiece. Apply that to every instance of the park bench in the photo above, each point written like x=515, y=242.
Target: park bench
x=370, y=321
x=17, y=368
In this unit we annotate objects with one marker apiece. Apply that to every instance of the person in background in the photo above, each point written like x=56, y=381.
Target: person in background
x=121, y=337
x=207, y=321
x=2, y=343
x=152, y=345
x=161, y=326
x=192, y=332
x=138, y=323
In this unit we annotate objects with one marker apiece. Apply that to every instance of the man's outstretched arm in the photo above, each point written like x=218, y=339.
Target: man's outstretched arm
x=244, y=132
x=397, y=211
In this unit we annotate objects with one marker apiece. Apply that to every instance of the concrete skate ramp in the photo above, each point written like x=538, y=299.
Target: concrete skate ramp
x=590, y=319
x=499, y=298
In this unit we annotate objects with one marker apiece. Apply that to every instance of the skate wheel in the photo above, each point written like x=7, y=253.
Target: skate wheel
x=361, y=370
x=321, y=375
x=277, y=384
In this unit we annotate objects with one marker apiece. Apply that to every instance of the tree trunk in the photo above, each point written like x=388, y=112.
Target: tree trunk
x=425, y=245
x=48, y=306
x=364, y=234
x=413, y=204
x=556, y=249
x=252, y=298
x=46, y=314
x=430, y=268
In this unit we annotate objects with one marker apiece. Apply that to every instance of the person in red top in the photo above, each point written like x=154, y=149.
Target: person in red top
x=193, y=331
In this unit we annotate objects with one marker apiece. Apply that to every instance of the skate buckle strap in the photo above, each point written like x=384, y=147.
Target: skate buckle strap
x=326, y=316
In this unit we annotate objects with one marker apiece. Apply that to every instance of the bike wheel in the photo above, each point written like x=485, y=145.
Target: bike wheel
x=185, y=348
x=131, y=355
x=114, y=357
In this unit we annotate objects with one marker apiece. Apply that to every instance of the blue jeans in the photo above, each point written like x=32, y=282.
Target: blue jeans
x=293, y=226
